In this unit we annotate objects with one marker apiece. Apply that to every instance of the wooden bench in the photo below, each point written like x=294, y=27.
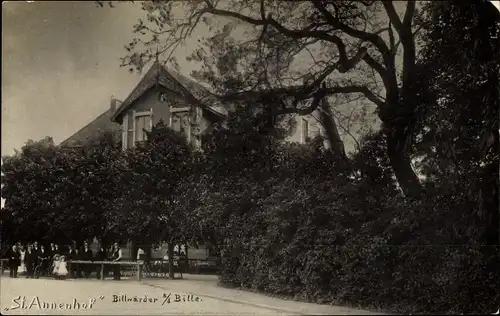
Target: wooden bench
x=203, y=266
x=137, y=264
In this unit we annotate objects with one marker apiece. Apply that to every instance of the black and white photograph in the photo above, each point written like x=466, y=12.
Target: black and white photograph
x=250, y=157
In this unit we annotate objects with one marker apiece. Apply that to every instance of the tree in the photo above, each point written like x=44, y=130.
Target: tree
x=27, y=182
x=151, y=207
x=352, y=49
x=98, y=183
x=458, y=136
x=60, y=194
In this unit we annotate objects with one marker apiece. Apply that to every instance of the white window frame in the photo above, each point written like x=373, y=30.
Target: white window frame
x=304, y=121
x=124, y=131
x=181, y=110
x=137, y=114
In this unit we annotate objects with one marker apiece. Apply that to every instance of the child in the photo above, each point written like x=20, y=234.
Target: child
x=55, y=269
x=62, y=271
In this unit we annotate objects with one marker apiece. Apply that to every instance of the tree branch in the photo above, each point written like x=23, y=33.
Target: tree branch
x=262, y=10
x=410, y=11
x=296, y=34
x=362, y=35
x=393, y=16
x=407, y=41
x=378, y=68
x=293, y=91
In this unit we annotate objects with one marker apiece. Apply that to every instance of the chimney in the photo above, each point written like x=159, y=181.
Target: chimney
x=114, y=104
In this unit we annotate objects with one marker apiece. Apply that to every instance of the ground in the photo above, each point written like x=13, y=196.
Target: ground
x=194, y=295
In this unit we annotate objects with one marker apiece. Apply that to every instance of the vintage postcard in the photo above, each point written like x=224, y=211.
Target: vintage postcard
x=250, y=157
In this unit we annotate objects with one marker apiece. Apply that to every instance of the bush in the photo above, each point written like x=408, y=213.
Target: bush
x=348, y=242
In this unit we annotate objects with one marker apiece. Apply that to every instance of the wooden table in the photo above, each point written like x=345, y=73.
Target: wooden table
x=138, y=264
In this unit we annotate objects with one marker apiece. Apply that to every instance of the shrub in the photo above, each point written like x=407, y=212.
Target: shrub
x=338, y=241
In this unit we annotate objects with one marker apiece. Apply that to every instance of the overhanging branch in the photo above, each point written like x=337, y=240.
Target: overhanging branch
x=375, y=39
x=284, y=93
x=306, y=32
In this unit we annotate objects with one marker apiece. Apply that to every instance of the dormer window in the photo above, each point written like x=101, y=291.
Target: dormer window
x=143, y=123
x=180, y=120
x=136, y=124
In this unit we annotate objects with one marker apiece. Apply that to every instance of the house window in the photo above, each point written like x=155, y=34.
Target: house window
x=305, y=130
x=124, y=132
x=134, y=127
x=142, y=124
x=180, y=122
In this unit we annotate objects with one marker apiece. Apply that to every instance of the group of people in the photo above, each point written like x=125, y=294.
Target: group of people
x=53, y=260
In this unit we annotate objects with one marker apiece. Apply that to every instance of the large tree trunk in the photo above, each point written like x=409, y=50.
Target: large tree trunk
x=133, y=250
x=401, y=163
x=332, y=134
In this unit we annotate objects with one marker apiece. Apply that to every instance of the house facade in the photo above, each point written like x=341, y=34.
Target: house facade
x=182, y=104
x=179, y=102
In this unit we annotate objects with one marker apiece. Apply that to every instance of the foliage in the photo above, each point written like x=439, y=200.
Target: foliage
x=150, y=205
x=459, y=137
x=59, y=193
x=344, y=242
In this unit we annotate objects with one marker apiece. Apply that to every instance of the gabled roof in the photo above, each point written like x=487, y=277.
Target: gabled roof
x=158, y=74
x=93, y=130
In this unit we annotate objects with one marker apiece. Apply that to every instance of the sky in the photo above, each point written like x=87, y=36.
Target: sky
x=60, y=66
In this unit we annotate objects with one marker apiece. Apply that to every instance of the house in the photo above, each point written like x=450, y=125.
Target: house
x=183, y=104
x=186, y=106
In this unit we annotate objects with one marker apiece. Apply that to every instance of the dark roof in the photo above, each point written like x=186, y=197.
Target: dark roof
x=170, y=79
x=102, y=124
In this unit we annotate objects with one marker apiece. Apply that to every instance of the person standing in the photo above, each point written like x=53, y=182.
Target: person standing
x=51, y=250
x=177, y=263
x=101, y=256
x=67, y=251
x=75, y=255
x=140, y=254
x=14, y=261
x=44, y=256
x=117, y=256
x=36, y=247
x=36, y=251
x=56, y=250
x=22, y=267
x=30, y=259
x=183, y=263
x=87, y=255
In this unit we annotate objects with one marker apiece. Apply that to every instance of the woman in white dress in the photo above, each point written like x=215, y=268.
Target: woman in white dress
x=22, y=268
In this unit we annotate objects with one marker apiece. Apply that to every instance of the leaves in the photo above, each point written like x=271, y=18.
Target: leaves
x=58, y=191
